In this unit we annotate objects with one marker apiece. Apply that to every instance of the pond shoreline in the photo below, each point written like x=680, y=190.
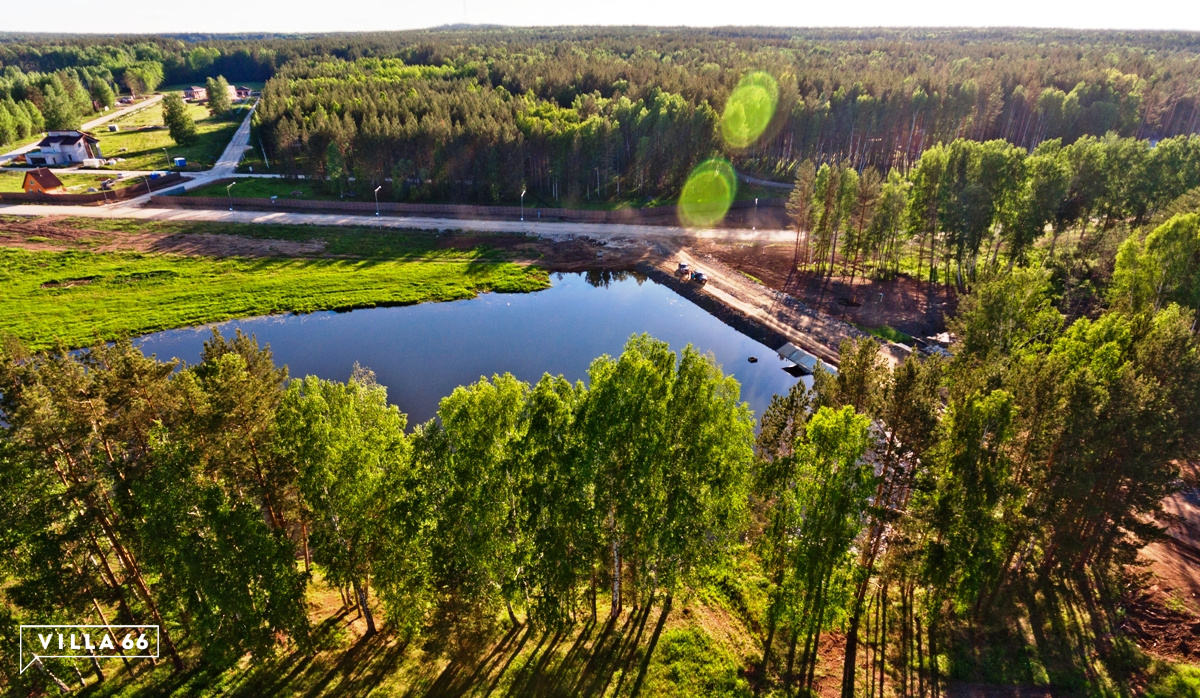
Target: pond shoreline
x=422, y=352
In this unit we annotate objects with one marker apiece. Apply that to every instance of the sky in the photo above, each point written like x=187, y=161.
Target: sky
x=164, y=16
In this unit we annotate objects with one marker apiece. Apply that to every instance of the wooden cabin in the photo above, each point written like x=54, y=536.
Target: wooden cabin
x=42, y=180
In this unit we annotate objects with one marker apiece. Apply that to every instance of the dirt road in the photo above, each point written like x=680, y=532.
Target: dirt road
x=785, y=317
x=599, y=231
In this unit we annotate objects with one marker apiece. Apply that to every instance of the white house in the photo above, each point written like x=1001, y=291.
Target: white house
x=64, y=148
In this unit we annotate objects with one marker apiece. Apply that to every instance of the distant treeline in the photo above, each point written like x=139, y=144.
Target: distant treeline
x=573, y=111
x=580, y=114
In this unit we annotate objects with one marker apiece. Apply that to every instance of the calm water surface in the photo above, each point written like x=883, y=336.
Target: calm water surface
x=422, y=352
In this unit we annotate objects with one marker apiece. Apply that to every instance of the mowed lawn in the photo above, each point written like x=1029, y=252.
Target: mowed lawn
x=143, y=149
x=79, y=297
x=264, y=188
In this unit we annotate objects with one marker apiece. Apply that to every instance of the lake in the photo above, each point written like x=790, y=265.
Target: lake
x=422, y=352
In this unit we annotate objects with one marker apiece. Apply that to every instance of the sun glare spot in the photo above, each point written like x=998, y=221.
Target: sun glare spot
x=749, y=109
x=708, y=193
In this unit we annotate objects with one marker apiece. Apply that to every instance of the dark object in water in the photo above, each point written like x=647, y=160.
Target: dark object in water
x=753, y=359
x=796, y=370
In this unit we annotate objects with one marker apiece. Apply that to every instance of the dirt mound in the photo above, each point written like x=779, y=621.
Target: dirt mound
x=1168, y=633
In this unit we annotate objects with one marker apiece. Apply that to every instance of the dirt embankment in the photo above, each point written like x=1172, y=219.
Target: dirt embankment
x=1165, y=613
x=53, y=233
x=760, y=312
x=58, y=233
x=913, y=307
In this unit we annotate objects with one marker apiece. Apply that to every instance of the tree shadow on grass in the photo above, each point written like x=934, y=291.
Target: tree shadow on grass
x=587, y=659
x=1067, y=639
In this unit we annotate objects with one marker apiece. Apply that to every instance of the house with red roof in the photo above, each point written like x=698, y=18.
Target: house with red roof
x=42, y=181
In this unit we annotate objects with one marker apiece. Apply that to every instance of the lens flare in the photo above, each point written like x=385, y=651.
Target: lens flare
x=708, y=193
x=749, y=109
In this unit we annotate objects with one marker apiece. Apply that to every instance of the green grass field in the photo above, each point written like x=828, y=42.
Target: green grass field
x=260, y=188
x=143, y=149
x=77, y=297
x=74, y=183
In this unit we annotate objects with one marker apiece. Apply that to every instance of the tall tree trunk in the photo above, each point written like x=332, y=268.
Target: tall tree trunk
x=512, y=617
x=851, y=654
x=120, y=651
x=593, y=593
x=883, y=619
x=773, y=621
x=307, y=553
x=920, y=656
x=96, y=667
x=791, y=660
x=90, y=503
x=57, y=681
x=361, y=592
x=934, y=679
x=616, y=580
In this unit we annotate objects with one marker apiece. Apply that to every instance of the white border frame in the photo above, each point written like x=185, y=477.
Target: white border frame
x=36, y=657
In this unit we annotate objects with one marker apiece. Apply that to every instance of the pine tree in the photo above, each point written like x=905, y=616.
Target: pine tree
x=59, y=109
x=102, y=92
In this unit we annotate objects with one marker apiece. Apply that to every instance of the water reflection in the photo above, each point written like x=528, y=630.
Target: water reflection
x=422, y=352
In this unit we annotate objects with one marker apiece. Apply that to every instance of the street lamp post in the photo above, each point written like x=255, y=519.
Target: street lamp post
x=522, y=203
x=377, y=199
x=228, y=194
x=755, y=225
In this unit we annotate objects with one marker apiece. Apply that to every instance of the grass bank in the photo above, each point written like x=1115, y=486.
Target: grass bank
x=265, y=188
x=74, y=183
x=79, y=296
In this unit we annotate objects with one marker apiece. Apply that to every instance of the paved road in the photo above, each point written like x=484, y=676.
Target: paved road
x=226, y=165
x=89, y=125
x=599, y=231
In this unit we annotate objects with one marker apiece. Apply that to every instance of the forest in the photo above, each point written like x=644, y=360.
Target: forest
x=924, y=519
x=580, y=117
x=582, y=114
x=911, y=510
